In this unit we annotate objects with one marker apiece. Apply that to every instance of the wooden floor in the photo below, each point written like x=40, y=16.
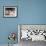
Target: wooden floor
x=30, y=43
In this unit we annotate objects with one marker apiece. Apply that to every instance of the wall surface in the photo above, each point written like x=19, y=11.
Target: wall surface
x=32, y=11
x=29, y=12
x=7, y=25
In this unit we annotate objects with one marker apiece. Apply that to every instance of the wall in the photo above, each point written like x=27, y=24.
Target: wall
x=32, y=11
x=7, y=25
x=29, y=12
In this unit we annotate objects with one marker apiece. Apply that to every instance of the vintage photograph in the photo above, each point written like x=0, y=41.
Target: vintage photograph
x=32, y=32
x=10, y=11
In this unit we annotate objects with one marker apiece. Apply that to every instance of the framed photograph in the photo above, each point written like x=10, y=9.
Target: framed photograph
x=33, y=32
x=10, y=11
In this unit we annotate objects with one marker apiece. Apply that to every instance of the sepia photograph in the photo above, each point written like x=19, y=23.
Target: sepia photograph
x=10, y=11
